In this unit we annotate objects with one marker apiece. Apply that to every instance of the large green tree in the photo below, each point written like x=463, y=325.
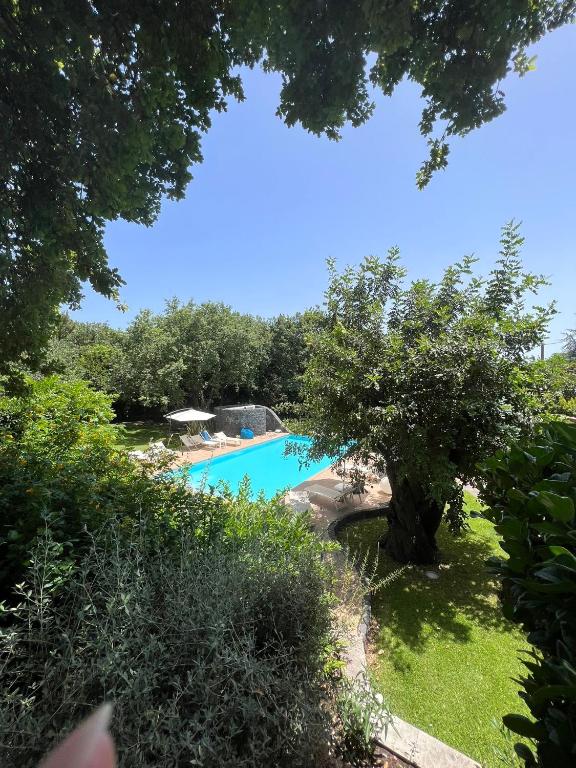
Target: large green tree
x=199, y=354
x=89, y=351
x=422, y=380
x=103, y=104
x=282, y=369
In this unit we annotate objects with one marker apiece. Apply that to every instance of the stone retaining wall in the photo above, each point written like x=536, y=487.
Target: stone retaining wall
x=231, y=420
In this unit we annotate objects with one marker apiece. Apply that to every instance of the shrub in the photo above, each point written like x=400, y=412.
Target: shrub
x=531, y=490
x=60, y=465
x=212, y=650
x=362, y=716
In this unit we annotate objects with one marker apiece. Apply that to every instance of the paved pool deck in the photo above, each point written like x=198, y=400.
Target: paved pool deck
x=186, y=458
x=377, y=494
x=322, y=514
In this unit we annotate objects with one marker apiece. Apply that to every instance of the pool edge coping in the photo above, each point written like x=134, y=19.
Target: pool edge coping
x=235, y=449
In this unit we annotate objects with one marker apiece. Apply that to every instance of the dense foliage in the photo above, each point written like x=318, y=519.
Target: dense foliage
x=553, y=384
x=212, y=647
x=206, y=619
x=91, y=352
x=199, y=354
x=422, y=381
x=60, y=467
x=532, y=493
x=280, y=377
x=104, y=103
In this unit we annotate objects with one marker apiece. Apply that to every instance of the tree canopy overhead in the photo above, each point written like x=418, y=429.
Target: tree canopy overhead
x=423, y=381
x=103, y=104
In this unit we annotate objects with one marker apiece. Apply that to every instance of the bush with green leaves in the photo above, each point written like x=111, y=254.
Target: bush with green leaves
x=531, y=490
x=362, y=716
x=212, y=648
x=60, y=466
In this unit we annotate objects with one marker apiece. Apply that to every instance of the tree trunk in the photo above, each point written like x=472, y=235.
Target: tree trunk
x=413, y=520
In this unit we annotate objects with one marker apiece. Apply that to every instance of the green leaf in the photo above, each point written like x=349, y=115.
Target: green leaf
x=560, y=507
x=564, y=555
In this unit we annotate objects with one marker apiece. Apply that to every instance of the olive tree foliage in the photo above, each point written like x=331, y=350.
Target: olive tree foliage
x=103, y=104
x=422, y=380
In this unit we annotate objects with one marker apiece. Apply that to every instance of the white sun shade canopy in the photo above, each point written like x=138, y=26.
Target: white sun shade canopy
x=189, y=414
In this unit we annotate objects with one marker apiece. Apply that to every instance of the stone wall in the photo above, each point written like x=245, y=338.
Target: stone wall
x=231, y=420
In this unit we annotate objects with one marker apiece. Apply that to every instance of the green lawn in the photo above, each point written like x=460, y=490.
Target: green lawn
x=443, y=655
x=136, y=435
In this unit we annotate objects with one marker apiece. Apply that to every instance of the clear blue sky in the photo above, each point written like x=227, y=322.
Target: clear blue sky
x=270, y=203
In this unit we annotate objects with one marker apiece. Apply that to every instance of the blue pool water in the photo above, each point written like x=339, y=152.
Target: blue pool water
x=266, y=465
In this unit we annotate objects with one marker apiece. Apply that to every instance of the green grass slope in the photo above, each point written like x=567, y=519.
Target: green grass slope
x=443, y=656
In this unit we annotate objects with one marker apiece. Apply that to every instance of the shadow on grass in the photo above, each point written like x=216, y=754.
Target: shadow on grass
x=137, y=434
x=415, y=610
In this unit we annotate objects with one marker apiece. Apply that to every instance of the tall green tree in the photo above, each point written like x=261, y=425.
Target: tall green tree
x=89, y=351
x=280, y=377
x=103, y=104
x=198, y=354
x=422, y=381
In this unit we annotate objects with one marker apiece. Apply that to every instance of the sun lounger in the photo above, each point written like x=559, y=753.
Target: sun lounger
x=209, y=440
x=324, y=494
x=157, y=449
x=191, y=442
x=227, y=440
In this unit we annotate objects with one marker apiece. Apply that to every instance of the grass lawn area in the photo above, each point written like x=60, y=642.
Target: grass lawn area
x=136, y=435
x=443, y=656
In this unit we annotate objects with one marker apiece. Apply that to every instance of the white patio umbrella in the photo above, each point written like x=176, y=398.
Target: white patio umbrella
x=187, y=416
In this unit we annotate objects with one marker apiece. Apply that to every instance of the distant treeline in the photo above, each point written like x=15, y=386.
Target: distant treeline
x=197, y=354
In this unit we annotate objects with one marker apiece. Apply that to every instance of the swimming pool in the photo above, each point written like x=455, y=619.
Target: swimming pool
x=266, y=465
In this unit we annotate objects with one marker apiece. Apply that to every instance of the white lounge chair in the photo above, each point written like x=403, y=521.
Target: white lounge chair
x=191, y=442
x=212, y=441
x=227, y=440
x=324, y=494
x=157, y=449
